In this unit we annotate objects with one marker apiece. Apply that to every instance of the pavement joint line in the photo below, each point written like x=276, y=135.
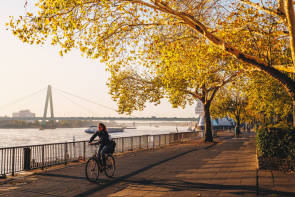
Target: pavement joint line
x=257, y=182
x=273, y=178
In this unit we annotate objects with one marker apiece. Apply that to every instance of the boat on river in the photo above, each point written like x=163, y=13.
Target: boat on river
x=93, y=129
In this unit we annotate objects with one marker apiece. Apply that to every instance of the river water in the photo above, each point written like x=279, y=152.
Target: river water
x=24, y=137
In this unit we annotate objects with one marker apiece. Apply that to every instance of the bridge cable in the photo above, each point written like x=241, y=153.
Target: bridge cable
x=87, y=100
x=90, y=101
x=22, y=99
x=81, y=106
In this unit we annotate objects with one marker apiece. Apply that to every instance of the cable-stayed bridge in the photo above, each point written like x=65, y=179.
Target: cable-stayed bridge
x=49, y=101
x=102, y=118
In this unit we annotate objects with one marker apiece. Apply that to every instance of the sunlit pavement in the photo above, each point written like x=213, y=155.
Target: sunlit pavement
x=227, y=168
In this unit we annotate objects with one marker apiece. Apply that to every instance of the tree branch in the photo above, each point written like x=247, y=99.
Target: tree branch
x=277, y=12
x=289, y=69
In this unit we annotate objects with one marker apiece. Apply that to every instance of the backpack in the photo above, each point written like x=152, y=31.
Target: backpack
x=112, y=146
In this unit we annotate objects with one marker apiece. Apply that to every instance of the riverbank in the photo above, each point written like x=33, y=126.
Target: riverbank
x=228, y=168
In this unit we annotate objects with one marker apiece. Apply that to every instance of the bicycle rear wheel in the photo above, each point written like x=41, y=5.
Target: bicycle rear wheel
x=92, y=170
x=110, y=166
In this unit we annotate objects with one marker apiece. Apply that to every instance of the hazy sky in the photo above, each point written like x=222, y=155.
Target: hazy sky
x=25, y=69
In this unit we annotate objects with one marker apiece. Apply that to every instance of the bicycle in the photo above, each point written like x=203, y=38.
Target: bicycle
x=94, y=166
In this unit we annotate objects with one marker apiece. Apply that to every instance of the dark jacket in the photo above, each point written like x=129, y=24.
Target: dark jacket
x=103, y=137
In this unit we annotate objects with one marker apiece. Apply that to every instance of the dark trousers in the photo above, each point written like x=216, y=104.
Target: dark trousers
x=101, y=153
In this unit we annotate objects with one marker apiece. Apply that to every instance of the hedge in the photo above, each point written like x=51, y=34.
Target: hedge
x=276, y=144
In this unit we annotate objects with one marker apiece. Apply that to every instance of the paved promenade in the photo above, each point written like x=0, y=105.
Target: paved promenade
x=227, y=168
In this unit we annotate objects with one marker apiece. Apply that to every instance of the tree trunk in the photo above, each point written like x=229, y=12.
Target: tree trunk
x=208, y=127
x=289, y=10
x=238, y=126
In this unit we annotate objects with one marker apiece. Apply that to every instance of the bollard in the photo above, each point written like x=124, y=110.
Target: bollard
x=27, y=158
x=66, y=155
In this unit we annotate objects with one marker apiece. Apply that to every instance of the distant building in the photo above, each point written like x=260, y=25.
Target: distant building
x=24, y=113
x=199, y=110
x=222, y=122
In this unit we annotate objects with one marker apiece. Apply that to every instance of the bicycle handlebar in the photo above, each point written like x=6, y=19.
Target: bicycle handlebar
x=94, y=144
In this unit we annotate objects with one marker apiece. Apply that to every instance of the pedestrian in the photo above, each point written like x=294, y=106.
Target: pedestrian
x=248, y=128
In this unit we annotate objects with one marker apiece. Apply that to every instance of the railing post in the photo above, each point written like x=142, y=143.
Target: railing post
x=43, y=157
x=66, y=153
x=84, y=150
x=165, y=139
x=153, y=142
x=74, y=147
x=122, y=144
x=13, y=160
x=139, y=142
x=131, y=143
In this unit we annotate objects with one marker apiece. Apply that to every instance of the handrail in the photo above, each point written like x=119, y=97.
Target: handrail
x=20, y=158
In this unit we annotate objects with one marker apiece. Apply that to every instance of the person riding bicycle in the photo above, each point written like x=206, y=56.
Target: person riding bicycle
x=104, y=141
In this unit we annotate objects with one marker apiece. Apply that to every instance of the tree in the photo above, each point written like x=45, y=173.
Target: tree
x=114, y=29
x=232, y=103
x=267, y=97
x=181, y=74
x=251, y=97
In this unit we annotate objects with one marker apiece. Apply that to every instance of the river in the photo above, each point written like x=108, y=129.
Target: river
x=24, y=137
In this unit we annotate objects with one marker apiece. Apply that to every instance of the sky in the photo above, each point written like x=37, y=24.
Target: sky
x=26, y=71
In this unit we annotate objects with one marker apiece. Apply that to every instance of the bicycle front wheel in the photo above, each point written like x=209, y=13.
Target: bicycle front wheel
x=92, y=170
x=110, y=166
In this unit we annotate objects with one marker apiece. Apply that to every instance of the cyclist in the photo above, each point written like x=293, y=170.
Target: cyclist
x=104, y=142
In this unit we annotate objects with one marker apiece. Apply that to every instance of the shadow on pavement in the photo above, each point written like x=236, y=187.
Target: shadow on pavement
x=63, y=176
x=123, y=178
x=195, y=186
x=185, y=185
x=176, y=185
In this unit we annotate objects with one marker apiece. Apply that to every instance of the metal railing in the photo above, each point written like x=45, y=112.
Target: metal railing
x=16, y=159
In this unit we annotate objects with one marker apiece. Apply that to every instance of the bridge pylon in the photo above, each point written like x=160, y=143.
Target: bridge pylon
x=48, y=100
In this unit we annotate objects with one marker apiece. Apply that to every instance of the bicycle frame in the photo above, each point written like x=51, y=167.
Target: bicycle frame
x=100, y=167
x=95, y=155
